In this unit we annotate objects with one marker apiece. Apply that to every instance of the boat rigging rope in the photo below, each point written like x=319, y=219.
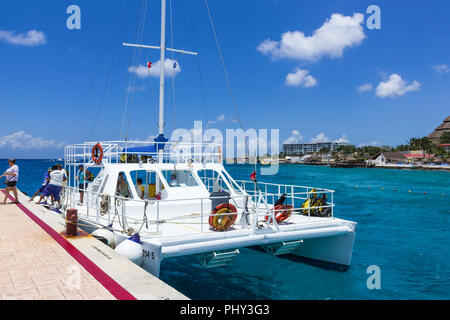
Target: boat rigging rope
x=226, y=75
x=173, y=69
x=100, y=60
x=108, y=81
x=137, y=57
x=197, y=58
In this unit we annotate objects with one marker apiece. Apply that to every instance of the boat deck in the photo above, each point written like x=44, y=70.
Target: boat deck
x=195, y=226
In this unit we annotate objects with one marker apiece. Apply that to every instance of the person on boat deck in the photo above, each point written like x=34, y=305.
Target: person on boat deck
x=60, y=167
x=81, y=181
x=140, y=189
x=122, y=186
x=44, y=184
x=54, y=188
x=173, y=180
x=11, y=178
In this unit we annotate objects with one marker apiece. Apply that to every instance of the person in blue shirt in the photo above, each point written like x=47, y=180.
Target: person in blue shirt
x=44, y=184
x=82, y=182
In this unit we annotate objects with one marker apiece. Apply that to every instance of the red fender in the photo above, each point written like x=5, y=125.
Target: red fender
x=282, y=212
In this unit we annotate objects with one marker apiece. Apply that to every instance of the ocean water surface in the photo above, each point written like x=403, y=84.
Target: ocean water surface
x=403, y=228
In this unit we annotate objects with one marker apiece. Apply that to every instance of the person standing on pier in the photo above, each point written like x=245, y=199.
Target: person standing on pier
x=54, y=188
x=12, y=177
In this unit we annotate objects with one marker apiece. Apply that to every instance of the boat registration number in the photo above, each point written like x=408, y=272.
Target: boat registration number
x=148, y=254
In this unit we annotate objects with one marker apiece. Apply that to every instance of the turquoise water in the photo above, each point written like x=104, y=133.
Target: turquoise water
x=405, y=233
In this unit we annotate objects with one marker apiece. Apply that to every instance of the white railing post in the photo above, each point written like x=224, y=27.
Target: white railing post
x=309, y=206
x=201, y=213
x=292, y=196
x=86, y=199
x=332, y=204
x=157, y=216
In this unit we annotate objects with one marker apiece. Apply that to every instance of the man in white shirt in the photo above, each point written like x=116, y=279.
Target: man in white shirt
x=57, y=178
x=12, y=177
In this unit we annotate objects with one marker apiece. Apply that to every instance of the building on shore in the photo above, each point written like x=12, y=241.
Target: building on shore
x=435, y=136
x=387, y=157
x=309, y=148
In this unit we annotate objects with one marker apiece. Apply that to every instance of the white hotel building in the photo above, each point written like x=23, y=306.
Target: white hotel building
x=308, y=148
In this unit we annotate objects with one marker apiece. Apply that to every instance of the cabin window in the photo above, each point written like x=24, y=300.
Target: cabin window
x=180, y=178
x=216, y=181
x=233, y=183
x=213, y=180
x=123, y=187
x=144, y=182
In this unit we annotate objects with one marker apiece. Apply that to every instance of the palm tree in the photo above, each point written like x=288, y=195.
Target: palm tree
x=414, y=143
x=426, y=145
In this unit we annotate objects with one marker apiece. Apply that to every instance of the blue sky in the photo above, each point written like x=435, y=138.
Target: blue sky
x=377, y=87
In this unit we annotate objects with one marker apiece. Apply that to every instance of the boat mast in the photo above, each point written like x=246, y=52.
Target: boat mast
x=162, y=65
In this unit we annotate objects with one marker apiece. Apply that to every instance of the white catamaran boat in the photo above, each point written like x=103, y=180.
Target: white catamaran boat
x=156, y=200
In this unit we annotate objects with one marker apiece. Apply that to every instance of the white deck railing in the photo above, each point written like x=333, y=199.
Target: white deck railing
x=134, y=214
x=121, y=152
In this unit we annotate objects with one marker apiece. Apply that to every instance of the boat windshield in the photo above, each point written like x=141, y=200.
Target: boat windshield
x=180, y=178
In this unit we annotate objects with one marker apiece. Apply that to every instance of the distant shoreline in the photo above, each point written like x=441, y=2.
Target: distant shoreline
x=374, y=167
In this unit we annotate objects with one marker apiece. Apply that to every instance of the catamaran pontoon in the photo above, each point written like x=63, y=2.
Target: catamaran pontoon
x=177, y=199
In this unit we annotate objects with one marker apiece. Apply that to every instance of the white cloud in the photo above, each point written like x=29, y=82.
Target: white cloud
x=23, y=140
x=300, y=77
x=395, y=86
x=320, y=138
x=364, y=88
x=337, y=33
x=295, y=137
x=371, y=144
x=29, y=38
x=342, y=139
x=171, y=69
x=441, y=68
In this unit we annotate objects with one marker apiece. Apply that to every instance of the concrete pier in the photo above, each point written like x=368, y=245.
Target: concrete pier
x=39, y=261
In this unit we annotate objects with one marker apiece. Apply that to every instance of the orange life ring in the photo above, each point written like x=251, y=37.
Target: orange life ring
x=282, y=212
x=221, y=222
x=97, y=153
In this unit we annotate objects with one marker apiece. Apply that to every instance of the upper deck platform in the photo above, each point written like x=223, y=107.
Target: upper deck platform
x=143, y=151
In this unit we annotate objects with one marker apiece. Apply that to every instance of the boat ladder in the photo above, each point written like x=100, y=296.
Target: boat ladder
x=217, y=259
x=276, y=249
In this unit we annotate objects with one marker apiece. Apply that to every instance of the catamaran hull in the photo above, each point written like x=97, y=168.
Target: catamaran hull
x=329, y=247
x=333, y=252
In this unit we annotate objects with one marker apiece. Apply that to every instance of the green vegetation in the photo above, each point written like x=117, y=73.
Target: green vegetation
x=353, y=153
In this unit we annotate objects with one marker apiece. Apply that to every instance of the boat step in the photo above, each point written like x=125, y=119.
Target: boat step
x=282, y=247
x=217, y=259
